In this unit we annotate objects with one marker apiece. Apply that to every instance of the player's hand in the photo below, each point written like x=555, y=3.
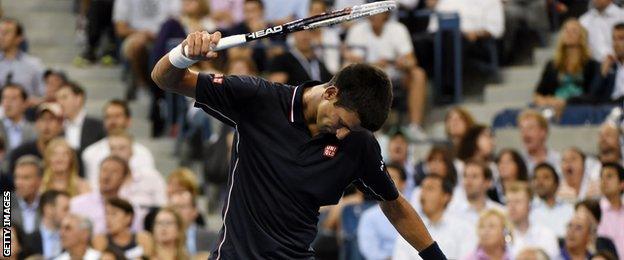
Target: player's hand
x=199, y=45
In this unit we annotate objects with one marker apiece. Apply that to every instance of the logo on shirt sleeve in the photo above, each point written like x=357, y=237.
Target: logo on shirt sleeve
x=330, y=151
x=217, y=79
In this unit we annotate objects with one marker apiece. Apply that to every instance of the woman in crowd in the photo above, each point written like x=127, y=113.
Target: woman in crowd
x=493, y=232
x=456, y=123
x=439, y=161
x=169, y=237
x=180, y=180
x=61, y=169
x=477, y=145
x=572, y=73
x=119, y=216
x=577, y=184
x=511, y=168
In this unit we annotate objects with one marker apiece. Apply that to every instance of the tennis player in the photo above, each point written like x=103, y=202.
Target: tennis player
x=295, y=150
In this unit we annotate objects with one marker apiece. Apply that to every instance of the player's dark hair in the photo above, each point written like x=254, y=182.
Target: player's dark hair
x=22, y=90
x=259, y=2
x=121, y=103
x=447, y=186
x=617, y=167
x=550, y=169
x=399, y=168
x=49, y=197
x=366, y=90
x=593, y=206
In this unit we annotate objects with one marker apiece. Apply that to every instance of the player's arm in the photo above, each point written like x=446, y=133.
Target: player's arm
x=405, y=219
x=171, y=73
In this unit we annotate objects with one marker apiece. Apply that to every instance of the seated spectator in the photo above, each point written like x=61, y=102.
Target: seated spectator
x=476, y=145
x=113, y=173
x=169, y=239
x=61, y=169
x=511, y=168
x=199, y=241
x=54, y=80
x=612, y=205
x=457, y=121
x=181, y=180
x=15, y=129
x=376, y=235
x=474, y=200
x=577, y=183
x=547, y=209
x=387, y=44
x=299, y=64
x=611, y=90
x=493, y=233
x=46, y=241
x=572, y=73
x=117, y=116
x=48, y=125
x=599, y=21
x=398, y=153
x=144, y=186
x=479, y=20
x=592, y=208
x=283, y=11
x=16, y=66
x=119, y=216
x=454, y=236
x=439, y=161
x=28, y=175
x=526, y=24
x=136, y=24
x=526, y=233
x=534, y=134
x=609, y=143
x=76, y=234
x=80, y=130
x=580, y=233
x=326, y=40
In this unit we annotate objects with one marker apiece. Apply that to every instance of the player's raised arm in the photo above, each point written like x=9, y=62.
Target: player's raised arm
x=171, y=73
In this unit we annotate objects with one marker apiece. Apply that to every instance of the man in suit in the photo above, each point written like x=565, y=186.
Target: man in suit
x=14, y=129
x=46, y=240
x=80, y=129
x=198, y=239
x=612, y=88
x=28, y=177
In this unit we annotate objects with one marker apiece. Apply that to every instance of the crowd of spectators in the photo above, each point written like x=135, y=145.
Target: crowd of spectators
x=83, y=187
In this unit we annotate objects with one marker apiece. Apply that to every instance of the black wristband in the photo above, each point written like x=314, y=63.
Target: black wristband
x=432, y=252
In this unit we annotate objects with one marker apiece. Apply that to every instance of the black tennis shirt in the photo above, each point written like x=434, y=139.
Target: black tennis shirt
x=280, y=175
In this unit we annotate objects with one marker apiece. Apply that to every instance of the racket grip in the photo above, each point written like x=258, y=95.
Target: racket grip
x=226, y=43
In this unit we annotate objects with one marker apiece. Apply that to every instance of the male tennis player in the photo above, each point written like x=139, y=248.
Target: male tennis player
x=296, y=149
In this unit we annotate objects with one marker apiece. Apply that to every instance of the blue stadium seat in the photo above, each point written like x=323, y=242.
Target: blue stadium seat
x=506, y=118
x=584, y=115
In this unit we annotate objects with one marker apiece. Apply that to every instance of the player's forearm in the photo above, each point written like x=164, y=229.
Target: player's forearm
x=167, y=76
x=407, y=222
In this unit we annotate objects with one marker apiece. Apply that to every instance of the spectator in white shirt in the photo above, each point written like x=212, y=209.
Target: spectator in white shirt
x=611, y=89
x=144, y=186
x=454, y=236
x=534, y=134
x=599, y=22
x=117, y=116
x=577, y=184
x=479, y=19
x=547, y=209
x=525, y=233
x=476, y=182
x=387, y=44
x=76, y=234
x=326, y=39
x=80, y=130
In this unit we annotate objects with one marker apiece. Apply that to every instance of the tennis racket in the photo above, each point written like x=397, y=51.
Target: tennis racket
x=313, y=22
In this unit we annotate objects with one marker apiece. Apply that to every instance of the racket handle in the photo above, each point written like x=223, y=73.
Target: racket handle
x=226, y=43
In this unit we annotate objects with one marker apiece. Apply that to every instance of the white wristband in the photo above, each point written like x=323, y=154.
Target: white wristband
x=177, y=58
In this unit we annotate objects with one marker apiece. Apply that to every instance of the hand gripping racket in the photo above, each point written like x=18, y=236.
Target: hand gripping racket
x=313, y=22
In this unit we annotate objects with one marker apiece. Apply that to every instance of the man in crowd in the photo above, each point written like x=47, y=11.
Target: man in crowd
x=455, y=236
x=526, y=234
x=117, y=116
x=48, y=125
x=609, y=148
x=76, y=234
x=580, y=234
x=28, y=176
x=612, y=205
x=534, y=133
x=80, y=129
x=599, y=22
x=387, y=44
x=611, y=90
x=198, y=239
x=376, y=235
x=17, y=66
x=53, y=207
x=547, y=209
x=476, y=182
x=14, y=129
x=399, y=154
